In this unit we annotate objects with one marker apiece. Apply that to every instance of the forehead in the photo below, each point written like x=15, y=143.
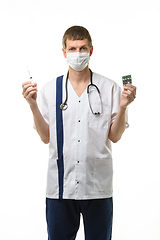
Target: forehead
x=76, y=43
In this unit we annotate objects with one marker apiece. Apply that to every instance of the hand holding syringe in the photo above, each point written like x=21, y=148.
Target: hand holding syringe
x=30, y=94
x=30, y=91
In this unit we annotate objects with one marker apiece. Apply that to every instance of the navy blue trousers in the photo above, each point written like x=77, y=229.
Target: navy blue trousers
x=63, y=218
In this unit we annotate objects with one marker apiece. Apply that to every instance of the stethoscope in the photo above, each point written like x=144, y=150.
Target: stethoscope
x=64, y=105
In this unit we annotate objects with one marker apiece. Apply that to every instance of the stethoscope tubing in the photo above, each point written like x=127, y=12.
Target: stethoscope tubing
x=64, y=105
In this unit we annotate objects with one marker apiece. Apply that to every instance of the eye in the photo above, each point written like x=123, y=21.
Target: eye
x=83, y=48
x=71, y=49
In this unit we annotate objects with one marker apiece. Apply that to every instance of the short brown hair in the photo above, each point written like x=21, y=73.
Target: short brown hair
x=76, y=33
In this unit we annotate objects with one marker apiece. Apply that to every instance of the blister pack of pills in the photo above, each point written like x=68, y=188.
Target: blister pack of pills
x=127, y=79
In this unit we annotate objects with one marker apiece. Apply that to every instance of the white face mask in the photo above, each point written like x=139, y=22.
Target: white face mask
x=78, y=61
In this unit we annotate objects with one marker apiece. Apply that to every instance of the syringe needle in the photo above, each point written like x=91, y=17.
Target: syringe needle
x=29, y=74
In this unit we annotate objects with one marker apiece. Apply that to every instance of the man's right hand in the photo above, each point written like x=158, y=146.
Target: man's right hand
x=30, y=92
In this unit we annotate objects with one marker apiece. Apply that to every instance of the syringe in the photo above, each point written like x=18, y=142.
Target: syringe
x=29, y=74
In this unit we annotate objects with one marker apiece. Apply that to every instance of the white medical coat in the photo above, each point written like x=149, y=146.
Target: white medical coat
x=87, y=154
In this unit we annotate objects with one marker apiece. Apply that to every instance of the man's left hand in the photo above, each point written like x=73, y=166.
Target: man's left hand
x=128, y=95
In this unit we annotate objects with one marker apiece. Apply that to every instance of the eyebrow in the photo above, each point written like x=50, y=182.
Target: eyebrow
x=84, y=46
x=80, y=46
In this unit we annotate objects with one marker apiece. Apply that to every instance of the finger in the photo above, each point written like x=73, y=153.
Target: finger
x=130, y=96
x=23, y=84
x=129, y=85
x=27, y=86
x=126, y=94
x=29, y=96
x=130, y=88
x=34, y=84
x=29, y=82
x=29, y=90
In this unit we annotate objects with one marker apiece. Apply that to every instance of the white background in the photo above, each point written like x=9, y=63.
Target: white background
x=126, y=40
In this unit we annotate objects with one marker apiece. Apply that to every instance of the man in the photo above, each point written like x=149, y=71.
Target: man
x=79, y=115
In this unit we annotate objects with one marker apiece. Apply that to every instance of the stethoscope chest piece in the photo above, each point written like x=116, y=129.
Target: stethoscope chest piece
x=64, y=106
